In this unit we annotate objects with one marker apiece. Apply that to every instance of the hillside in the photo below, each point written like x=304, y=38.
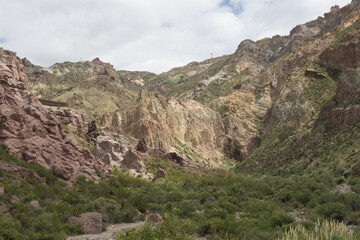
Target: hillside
x=91, y=87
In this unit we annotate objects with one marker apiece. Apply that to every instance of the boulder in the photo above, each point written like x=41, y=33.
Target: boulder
x=141, y=146
x=160, y=174
x=35, y=204
x=155, y=217
x=133, y=161
x=2, y=191
x=92, y=133
x=91, y=222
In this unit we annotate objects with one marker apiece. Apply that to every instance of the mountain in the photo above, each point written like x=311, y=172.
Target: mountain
x=259, y=144
x=91, y=87
x=271, y=87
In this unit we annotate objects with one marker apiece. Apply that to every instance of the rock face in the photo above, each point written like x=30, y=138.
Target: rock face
x=146, y=120
x=190, y=122
x=91, y=222
x=344, y=55
x=32, y=133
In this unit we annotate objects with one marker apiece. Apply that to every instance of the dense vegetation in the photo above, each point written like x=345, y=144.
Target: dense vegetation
x=235, y=206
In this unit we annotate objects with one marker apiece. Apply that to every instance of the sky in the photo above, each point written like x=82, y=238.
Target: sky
x=145, y=35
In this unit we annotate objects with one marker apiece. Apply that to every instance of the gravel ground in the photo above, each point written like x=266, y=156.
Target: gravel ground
x=109, y=233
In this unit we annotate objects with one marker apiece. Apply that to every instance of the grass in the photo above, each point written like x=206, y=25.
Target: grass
x=341, y=35
x=323, y=230
x=177, y=83
x=320, y=91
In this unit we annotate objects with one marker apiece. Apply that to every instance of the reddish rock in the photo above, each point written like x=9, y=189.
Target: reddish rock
x=91, y=222
x=32, y=133
x=155, y=217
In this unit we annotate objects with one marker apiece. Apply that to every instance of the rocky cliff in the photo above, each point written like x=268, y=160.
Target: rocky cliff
x=31, y=132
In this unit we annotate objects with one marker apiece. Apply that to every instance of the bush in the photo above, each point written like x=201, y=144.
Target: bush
x=280, y=219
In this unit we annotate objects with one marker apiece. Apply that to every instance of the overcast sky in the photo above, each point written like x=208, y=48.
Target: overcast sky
x=151, y=35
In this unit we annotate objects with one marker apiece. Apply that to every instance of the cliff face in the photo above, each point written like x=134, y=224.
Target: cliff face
x=344, y=55
x=162, y=124
x=32, y=133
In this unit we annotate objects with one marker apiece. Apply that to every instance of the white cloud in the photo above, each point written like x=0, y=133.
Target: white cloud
x=145, y=35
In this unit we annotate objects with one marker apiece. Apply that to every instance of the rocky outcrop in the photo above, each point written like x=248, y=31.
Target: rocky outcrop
x=189, y=122
x=32, y=133
x=147, y=120
x=76, y=122
x=109, y=151
x=133, y=161
x=91, y=222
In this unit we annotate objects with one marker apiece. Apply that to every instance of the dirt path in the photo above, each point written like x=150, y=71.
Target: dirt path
x=108, y=234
